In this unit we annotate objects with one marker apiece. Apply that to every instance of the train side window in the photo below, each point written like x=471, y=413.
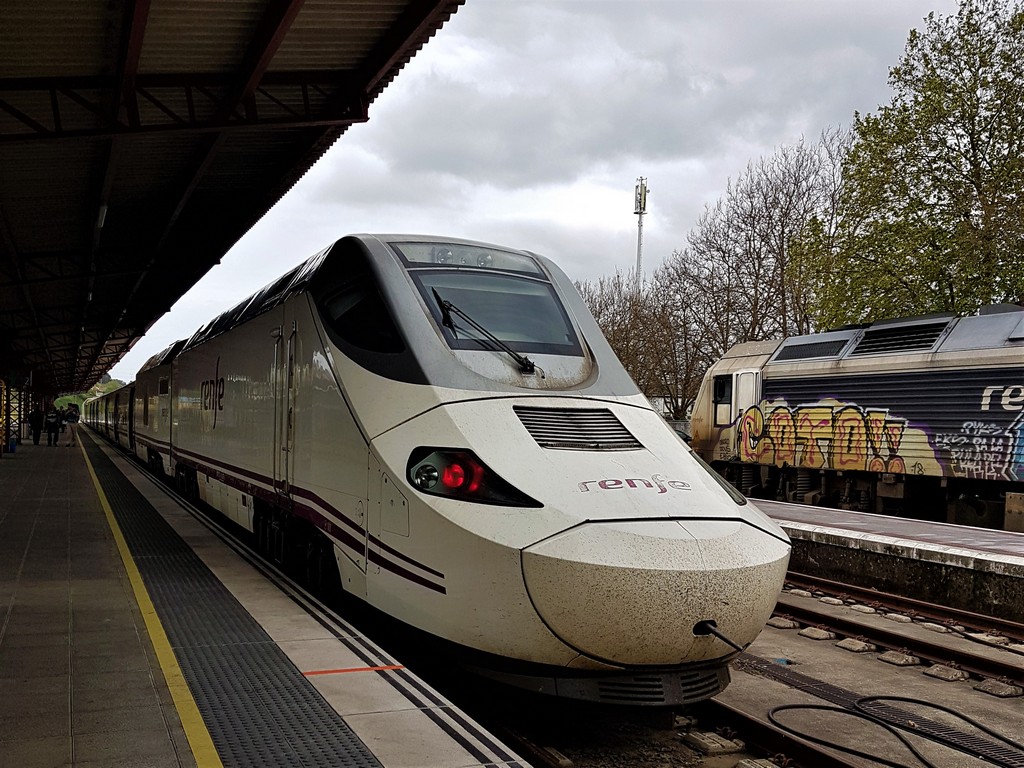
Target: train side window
x=145, y=410
x=722, y=399
x=163, y=387
x=746, y=389
x=358, y=314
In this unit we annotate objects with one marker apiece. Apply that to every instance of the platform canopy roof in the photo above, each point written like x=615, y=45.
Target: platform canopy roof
x=140, y=139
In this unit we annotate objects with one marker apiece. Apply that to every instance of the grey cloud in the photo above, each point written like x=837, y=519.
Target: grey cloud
x=550, y=91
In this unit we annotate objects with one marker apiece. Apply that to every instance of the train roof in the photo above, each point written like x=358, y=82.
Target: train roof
x=290, y=283
x=164, y=356
x=994, y=327
x=268, y=297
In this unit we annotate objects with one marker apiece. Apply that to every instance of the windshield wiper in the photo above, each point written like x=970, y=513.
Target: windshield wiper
x=446, y=316
x=526, y=365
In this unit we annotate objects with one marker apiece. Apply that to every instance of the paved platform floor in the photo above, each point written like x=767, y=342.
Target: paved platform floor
x=84, y=669
x=77, y=682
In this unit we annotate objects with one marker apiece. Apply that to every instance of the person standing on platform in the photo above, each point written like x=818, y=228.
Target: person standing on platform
x=72, y=421
x=35, y=424
x=52, y=424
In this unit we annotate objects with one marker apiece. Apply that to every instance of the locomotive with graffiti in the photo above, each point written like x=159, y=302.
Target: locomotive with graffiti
x=438, y=428
x=919, y=417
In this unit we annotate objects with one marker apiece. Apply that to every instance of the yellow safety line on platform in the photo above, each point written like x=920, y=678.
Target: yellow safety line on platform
x=199, y=740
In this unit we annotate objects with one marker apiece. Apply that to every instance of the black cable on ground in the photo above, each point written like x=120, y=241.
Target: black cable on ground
x=848, y=750
x=862, y=712
x=864, y=700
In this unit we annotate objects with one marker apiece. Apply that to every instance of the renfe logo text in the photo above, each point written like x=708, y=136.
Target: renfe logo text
x=1008, y=398
x=656, y=481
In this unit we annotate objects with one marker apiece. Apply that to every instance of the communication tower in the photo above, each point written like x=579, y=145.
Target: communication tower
x=640, y=208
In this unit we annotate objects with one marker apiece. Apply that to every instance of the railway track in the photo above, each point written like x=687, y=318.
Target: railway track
x=760, y=740
x=954, y=647
x=908, y=606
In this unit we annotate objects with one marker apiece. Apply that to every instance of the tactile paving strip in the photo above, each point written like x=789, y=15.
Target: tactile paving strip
x=258, y=708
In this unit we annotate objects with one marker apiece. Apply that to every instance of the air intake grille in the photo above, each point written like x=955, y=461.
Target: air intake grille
x=632, y=690
x=812, y=350
x=902, y=338
x=682, y=687
x=577, y=429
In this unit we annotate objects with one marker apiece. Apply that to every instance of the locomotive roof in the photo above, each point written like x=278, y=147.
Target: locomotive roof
x=999, y=326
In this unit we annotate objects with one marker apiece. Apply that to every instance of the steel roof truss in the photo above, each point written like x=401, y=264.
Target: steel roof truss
x=285, y=105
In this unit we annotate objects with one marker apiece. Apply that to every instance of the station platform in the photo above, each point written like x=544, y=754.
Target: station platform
x=132, y=635
x=974, y=569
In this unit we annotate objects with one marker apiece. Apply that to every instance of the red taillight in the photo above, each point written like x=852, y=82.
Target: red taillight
x=464, y=475
x=453, y=476
x=458, y=473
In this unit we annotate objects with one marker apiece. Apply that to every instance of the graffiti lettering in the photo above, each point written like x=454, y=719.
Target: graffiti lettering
x=985, y=451
x=822, y=436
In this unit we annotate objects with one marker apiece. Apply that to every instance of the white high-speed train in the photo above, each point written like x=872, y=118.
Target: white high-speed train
x=439, y=428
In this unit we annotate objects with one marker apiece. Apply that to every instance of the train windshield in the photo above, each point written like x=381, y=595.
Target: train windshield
x=522, y=312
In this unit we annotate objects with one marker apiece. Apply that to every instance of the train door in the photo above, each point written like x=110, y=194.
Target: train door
x=131, y=420
x=284, y=411
x=733, y=394
x=117, y=418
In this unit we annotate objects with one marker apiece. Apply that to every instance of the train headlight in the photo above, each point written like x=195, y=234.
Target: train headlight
x=457, y=473
x=426, y=477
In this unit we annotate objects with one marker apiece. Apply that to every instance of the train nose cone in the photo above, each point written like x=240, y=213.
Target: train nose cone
x=631, y=592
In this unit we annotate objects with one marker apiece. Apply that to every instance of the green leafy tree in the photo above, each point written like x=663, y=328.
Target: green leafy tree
x=933, y=185
x=105, y=385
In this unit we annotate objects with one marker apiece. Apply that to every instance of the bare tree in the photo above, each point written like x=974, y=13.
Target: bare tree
x=740, y=269
x=741, y=277
x=622, y=308
x=651, y=336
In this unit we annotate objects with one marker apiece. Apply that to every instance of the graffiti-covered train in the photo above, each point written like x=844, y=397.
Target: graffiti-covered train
x=439, y=428
x=919, y=417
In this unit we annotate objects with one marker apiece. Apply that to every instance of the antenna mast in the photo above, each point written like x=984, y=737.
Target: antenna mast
x=640, y=208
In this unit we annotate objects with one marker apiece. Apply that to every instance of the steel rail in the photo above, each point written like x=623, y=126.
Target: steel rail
x=772, y=740
x=937, y=653
x=909, y=605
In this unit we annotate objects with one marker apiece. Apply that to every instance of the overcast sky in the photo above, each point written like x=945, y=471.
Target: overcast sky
x=527, y=122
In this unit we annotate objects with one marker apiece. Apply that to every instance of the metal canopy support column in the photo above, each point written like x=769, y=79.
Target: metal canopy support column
x=5, y=414
x=20, y=398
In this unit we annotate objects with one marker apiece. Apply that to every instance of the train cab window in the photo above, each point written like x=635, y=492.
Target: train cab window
x=523, y=312
x=162, y=386
x=722, y=399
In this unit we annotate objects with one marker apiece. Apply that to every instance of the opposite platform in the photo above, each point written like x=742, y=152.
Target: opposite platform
x=974, y=569
x=272, y=679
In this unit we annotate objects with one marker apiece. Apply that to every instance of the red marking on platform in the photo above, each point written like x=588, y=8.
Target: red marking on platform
x=388, y=668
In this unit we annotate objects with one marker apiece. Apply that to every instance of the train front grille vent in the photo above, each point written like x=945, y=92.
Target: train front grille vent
x=683, y=687
x=577, y=429
x=632, y=690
